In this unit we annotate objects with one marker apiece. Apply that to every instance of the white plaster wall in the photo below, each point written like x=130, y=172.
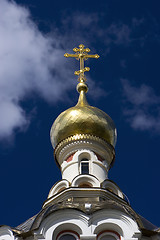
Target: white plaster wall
x=88, y=226
x=116, y=221
x=70, y=170
x=96, y=168
x=6, y=233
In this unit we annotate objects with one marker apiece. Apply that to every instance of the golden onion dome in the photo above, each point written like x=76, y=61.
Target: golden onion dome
x=83, y=119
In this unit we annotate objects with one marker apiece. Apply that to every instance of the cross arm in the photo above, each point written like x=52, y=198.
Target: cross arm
x=92, y=56
x=71, y=55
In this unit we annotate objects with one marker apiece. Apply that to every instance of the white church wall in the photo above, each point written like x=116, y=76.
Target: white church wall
x=62, y=220
x=6, y=233
x=89, y=226
x=96, y=167
x=115, y=221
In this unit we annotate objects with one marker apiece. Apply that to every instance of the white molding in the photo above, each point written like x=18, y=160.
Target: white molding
x=58, y=186
x=87, y=237
x=102, y=149
x=88, y=226
x=117, y=221
x=85, y=179
x=107, y=184
x=6, y=233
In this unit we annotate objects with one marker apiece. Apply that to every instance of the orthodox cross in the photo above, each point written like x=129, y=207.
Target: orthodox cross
x=81, y=54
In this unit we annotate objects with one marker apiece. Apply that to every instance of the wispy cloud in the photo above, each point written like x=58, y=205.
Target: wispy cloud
x=29, y=64
x=30, y=60
x=93, y=30
x=142, y=107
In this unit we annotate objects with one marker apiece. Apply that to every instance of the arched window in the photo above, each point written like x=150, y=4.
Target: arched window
x=108, y=235
x=67, y=235
x=84, y=166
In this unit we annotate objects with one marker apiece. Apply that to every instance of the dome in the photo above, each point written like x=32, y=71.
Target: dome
x=83, y=119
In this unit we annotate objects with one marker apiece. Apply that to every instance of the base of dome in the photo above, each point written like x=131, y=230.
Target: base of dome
x=84, y=141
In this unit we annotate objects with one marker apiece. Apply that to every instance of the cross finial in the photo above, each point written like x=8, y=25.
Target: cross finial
x=81, y=54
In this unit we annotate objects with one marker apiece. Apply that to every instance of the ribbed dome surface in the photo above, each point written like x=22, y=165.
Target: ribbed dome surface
x=83, y=119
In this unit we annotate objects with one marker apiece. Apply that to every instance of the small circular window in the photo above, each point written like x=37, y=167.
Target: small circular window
x=67, y=235
x=108, y=235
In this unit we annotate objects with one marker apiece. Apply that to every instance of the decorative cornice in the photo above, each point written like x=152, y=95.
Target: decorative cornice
x=79, y=139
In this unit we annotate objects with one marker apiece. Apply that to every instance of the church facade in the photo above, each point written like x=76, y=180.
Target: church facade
x=85, y=204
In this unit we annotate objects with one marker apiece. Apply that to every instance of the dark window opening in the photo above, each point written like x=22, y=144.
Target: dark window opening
x=85, y=185
x=108, y=235
x=67, y=237
x=84, y=166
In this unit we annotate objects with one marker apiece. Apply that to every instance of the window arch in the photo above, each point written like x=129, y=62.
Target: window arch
x=67, y=235
x=67, y=228
x=85, y=181
x=84, y=158
x=108, y=235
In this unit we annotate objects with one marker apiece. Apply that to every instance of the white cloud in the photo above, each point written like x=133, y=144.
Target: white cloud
x=142, y=107
x=31, y=62
x=139, y=96
x=28, y=64
x=12, y=116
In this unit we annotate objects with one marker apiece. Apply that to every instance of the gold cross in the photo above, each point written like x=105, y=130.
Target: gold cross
x=81, y=54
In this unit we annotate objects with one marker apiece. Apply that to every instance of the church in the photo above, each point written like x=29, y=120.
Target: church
x=84, y=204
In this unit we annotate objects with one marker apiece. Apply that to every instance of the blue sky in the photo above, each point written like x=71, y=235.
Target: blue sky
x=37, y=83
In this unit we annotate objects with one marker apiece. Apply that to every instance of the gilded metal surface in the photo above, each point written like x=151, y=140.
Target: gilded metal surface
x=81, y=54
x=83, y=137
x=83, y=119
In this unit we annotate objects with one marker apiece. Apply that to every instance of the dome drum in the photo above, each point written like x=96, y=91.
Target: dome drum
x=83, y=141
